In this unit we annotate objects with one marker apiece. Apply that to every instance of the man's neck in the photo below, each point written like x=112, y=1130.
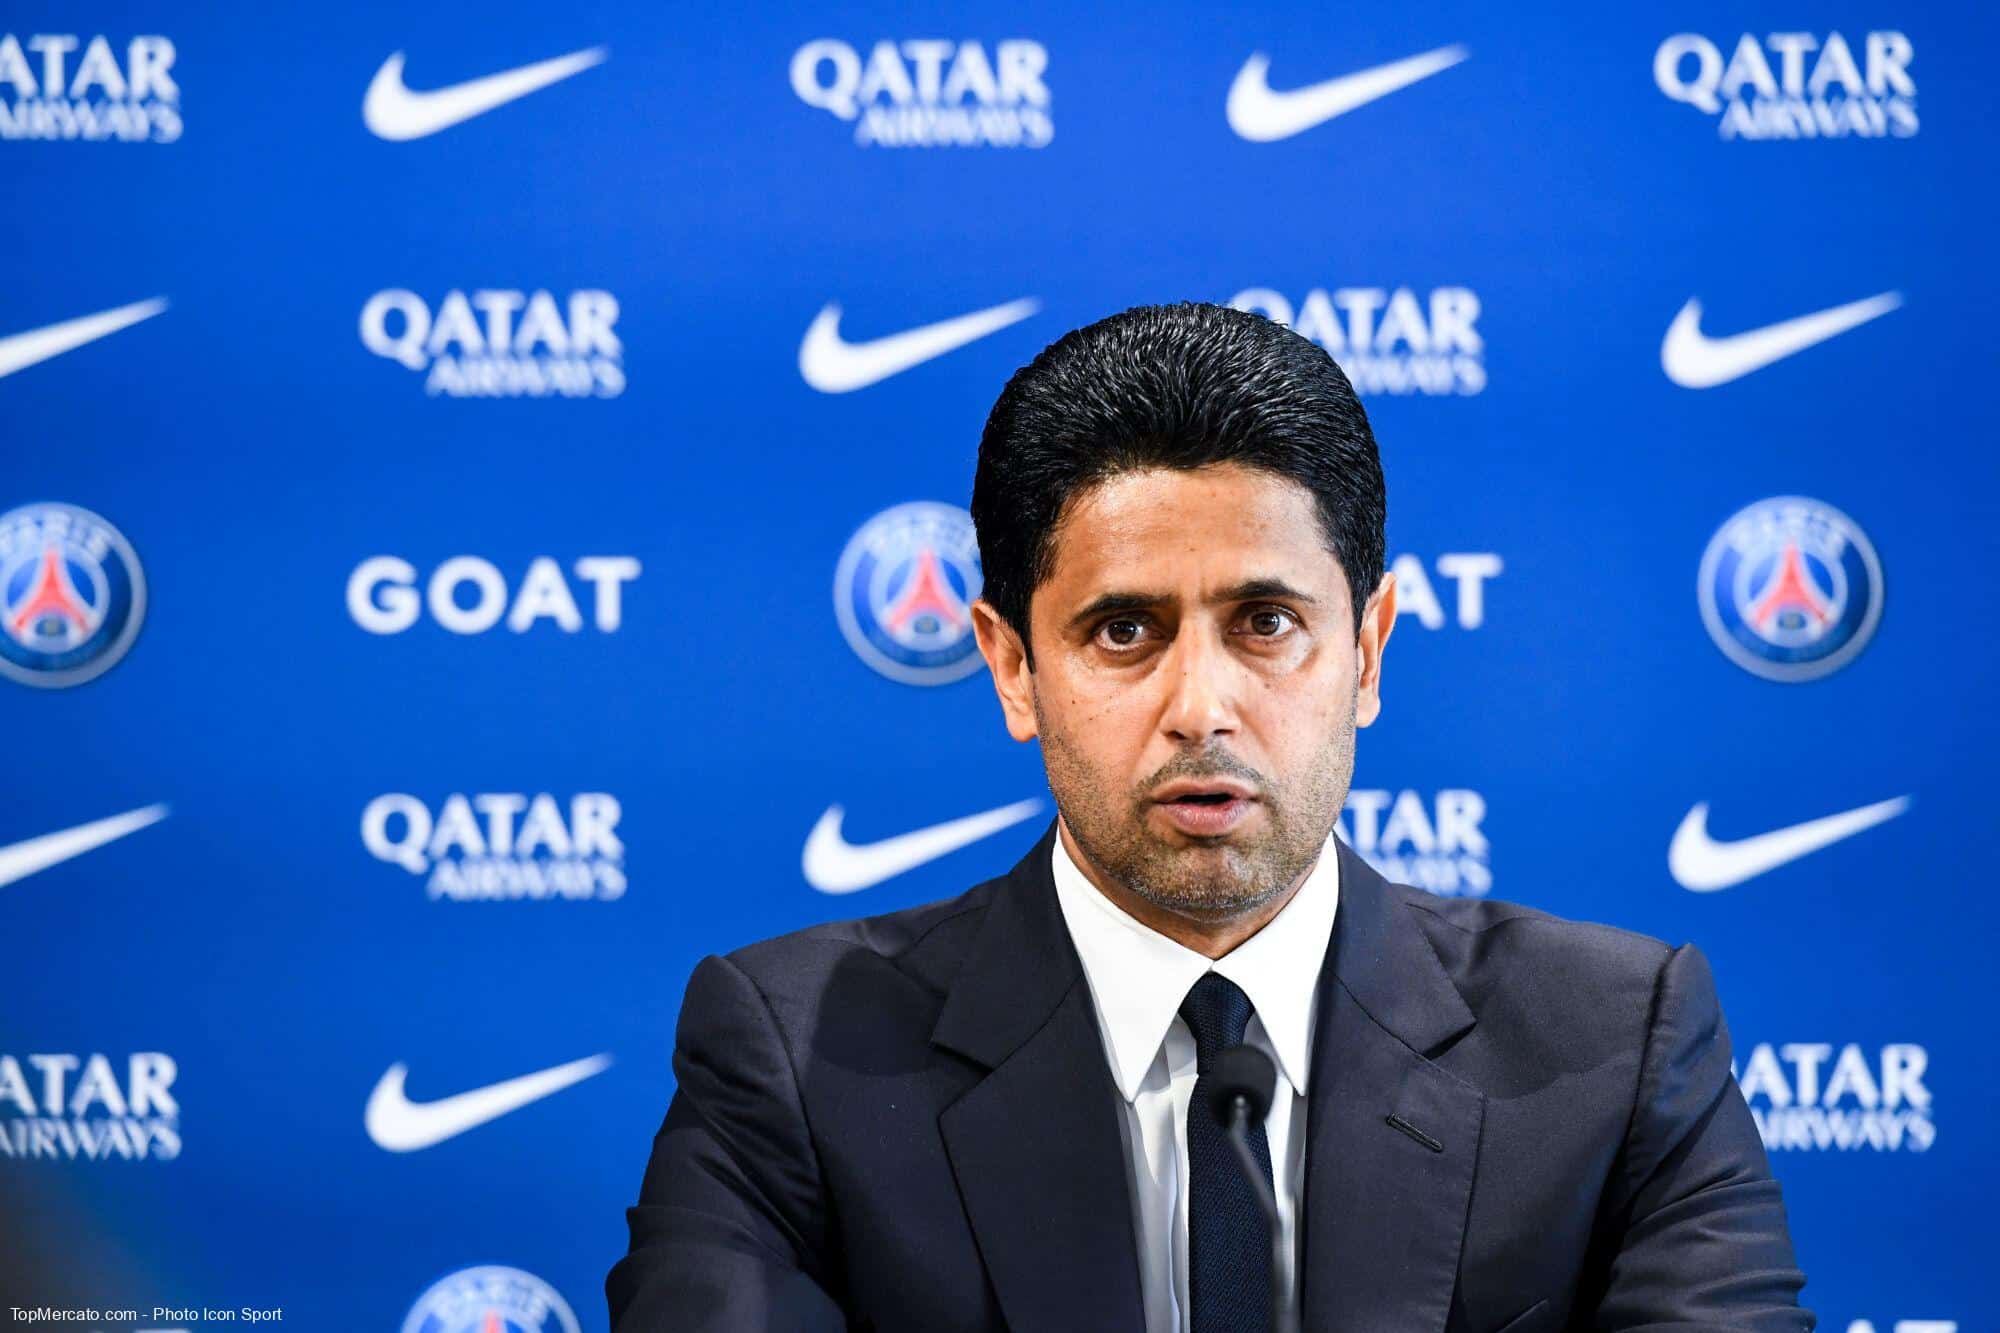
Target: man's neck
x=1210, y=937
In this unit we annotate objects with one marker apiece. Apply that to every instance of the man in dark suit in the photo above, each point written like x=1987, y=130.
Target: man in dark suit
x=990, y=1112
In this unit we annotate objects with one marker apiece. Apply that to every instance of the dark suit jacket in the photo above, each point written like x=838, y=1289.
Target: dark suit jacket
x=906, y=1123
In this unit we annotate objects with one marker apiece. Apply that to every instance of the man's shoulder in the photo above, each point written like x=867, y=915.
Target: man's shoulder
x=1469, y=926
x=1508, y=957
x=921, y=947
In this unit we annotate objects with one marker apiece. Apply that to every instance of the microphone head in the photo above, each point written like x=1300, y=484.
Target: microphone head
x=1242, y=1071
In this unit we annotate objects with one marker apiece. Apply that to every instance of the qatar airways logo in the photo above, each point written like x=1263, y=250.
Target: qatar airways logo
x=502, y=846
x=65, y=1107
x=1794, y=85
x=930, y=93
x=1432, y=843
x=1810, y=1096
x=1389, y=340
x=95, y=98
x=469, y=595
x=519, y=344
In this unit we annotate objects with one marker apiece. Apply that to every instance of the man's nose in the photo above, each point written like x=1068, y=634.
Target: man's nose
x=1201, y=685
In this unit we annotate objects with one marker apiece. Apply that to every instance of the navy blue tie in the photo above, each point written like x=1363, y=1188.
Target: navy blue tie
x=1229, y=1248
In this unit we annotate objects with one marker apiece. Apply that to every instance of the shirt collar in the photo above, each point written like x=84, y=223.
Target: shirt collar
x=1139, y=977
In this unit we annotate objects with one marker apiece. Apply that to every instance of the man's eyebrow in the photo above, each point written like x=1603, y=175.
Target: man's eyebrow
x=1107, y=603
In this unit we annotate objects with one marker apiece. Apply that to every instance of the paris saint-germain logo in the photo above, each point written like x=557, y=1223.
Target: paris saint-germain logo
x=1790, y=589
x=491, y=1299
x=904, y=589
x=71, y=595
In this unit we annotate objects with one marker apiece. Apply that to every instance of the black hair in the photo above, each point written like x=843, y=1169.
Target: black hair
x=1177, y=386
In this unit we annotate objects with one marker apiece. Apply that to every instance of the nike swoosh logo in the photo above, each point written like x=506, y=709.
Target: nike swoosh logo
x=835, y=865
x=833, y=365
x=25, y=858
x=392, y=111
x=1261, y=115
x=1694, y=360
x=1704, y=865
x=21, y=350
x=398, y=1124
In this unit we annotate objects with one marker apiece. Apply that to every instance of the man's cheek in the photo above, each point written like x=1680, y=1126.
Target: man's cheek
x=1105, y=714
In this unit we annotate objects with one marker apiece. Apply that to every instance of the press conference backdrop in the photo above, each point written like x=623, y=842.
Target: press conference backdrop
x=484, y=526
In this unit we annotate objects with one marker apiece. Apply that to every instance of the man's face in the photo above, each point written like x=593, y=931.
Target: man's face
x=1197, y=684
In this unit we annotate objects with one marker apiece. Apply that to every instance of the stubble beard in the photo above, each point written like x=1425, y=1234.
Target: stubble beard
x=1209, y=880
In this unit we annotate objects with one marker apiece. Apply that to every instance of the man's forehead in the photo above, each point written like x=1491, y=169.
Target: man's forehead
x=1158, y=531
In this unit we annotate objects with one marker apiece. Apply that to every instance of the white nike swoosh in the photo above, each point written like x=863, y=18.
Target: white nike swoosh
x=833, y=365
x=1704, y=865
x=835, y=865
x=398, y=1124
x=21, y=350
x=25, y=858
x=1261, y=115
x=1696, y=361
x=393, y=111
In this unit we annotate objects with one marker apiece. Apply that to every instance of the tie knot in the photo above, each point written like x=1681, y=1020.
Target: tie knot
x=1217, y=1011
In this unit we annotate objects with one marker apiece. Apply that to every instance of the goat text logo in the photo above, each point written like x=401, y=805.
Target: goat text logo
x=382, y=594
x=1461, y=577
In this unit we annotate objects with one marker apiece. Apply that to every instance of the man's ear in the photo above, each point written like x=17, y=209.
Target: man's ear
x=1378, y=618
x=1008, y=661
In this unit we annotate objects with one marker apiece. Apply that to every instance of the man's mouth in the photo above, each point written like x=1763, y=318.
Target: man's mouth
x=1205, y=812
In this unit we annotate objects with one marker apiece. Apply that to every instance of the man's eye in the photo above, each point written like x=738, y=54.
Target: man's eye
x=1271, y=617
x=1121, y=633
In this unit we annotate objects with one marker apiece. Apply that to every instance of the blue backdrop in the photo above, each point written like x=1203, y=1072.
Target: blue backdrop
x=431, y=437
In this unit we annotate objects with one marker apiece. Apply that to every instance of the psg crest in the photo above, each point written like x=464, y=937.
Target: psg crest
x=1790, y=589
x=491, y=1299
x=71, y=595
x=904, y=589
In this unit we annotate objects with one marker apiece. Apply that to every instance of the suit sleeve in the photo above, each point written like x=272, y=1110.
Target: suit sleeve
x=1704, y=1242
x=731, y=1228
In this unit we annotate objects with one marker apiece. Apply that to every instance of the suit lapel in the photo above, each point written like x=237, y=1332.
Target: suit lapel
x=1036, y=1146
x=1391, y=1138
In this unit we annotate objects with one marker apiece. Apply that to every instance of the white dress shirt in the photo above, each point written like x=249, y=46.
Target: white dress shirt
x=1138, y=978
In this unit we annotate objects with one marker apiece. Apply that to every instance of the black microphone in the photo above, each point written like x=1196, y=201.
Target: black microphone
x=1242, y=1082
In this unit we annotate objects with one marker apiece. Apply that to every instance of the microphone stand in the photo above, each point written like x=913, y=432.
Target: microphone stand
x=1284, y=1319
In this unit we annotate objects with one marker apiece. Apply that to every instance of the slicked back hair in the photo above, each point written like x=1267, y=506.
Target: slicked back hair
x=1178, y=386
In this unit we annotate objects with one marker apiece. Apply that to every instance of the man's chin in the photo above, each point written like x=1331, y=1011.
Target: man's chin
x=1210, y=905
